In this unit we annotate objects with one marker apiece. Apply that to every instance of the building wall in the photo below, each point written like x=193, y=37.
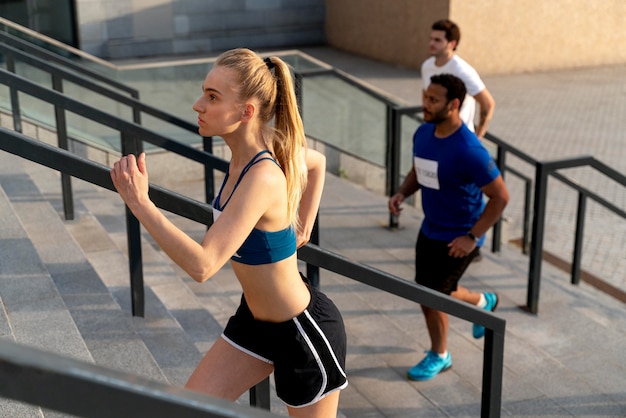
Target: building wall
x=390, y=31
x=497, y=36
x=117, y=29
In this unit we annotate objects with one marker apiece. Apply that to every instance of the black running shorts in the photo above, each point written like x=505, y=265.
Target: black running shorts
x=437, y=270
x=308, y=352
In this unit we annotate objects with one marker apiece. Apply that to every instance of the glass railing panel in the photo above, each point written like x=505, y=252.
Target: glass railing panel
x=409, y=125
x=57, y=47
x=345, y=117
x=175, y=86
x=171, y=88
x=335, y=112
x=5, y=98
x=170, y=131
x=93, y=133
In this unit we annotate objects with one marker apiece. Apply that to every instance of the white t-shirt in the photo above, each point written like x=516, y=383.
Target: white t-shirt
x=461, y=69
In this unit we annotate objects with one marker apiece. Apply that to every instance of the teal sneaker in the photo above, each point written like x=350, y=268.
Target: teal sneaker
x=430, y=366
x=492, y=303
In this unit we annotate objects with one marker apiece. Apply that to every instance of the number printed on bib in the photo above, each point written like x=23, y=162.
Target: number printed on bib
x=426, y=171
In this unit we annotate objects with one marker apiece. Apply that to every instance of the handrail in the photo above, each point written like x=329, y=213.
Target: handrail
x=130, y=133
x=46, y=379
x=549, y=168
x=493, y=356
x=111, y=121
x=493, y=353
x=83, y=78
x=56, y=43
x=98, y=174
x=59, y=71
x=530, y=238
x=49, y=56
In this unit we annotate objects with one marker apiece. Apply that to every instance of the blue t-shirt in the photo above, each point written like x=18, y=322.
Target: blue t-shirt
x=451, y=172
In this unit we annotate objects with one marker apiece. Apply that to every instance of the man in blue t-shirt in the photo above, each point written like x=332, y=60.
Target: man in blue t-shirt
x=453, y=170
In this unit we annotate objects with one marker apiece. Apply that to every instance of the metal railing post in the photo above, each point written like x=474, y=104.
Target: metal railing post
x=313, y=271
x=578, y=240
x=536, y=243
x=298, y=87
x=209, y=178
x=260, y=394
x=133, y=236
x=493, y=363
x=528, y=190
x=63, y=143
x=393, y=157
x=497, y=227
x=15, y=100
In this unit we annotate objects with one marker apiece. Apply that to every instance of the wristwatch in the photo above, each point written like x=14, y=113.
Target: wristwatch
x=472, y=236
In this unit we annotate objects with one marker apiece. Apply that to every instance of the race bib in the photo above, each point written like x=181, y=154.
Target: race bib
x=426, y=171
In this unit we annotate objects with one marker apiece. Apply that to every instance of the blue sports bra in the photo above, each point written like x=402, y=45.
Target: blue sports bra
x=261, y=247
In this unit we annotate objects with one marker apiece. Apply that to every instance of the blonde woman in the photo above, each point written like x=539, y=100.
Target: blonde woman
x=264, y=210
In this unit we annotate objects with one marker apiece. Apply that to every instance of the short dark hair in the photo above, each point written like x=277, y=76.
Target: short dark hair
x=453, y=33
x=454, y=86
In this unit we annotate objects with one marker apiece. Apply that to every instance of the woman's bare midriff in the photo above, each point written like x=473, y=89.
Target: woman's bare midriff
x=274, y=292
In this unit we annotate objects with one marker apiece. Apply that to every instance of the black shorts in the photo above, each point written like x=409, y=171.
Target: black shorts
x=308, y=352
x=437, y=270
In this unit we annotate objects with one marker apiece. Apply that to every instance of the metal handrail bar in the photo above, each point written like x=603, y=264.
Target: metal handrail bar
x=61, y=160
x=510, y=148
x=544, y=169
x=528, y=185
x=83, y=389
x=353, y=81
x=111, y=121
x=534, y=238
x=98, y=174
x=135, y=104
x=130, y=133
x=59, y=75
x=56, y=43
x=599, y=199
x=493, y=353
x=536, y=217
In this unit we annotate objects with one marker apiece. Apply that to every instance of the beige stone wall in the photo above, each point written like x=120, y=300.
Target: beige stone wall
x=497, y=36
x=393, y=31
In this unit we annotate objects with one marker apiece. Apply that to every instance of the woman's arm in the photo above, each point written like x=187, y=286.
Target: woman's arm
x=310, y=202
x=199, y=260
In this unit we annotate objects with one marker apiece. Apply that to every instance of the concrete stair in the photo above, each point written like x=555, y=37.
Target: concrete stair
x=82, y=284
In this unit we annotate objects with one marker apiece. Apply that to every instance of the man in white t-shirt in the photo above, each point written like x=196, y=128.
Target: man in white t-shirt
x=444, y=38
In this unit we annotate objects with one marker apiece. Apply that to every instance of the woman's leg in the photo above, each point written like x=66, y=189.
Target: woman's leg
x=227, y=372
x=325, y=408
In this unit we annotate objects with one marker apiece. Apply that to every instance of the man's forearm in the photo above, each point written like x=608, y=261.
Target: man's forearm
x=492, y=213
x=484, y=118
x=487, y=106
x=409, y=185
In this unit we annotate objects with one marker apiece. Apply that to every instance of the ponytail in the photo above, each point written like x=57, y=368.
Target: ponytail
x=289, y=140
x=270, y=81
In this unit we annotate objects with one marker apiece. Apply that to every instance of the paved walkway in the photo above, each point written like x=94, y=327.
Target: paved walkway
x=549, y=116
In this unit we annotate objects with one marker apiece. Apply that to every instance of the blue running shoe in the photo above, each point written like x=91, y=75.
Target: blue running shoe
x=492, y=303
x=430, y=366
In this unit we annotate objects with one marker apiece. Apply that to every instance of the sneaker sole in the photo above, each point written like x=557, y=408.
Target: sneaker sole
x=429, y=378
x=497, y=303
x=493, y=310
